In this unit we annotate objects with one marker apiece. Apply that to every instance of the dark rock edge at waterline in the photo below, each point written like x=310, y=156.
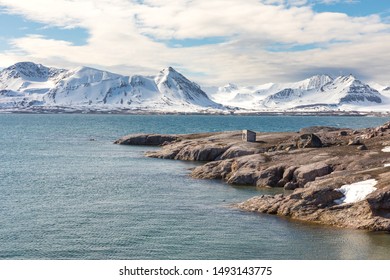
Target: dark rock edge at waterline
x=310, y=165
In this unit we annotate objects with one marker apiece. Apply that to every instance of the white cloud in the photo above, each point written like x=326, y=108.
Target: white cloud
x=121, y=35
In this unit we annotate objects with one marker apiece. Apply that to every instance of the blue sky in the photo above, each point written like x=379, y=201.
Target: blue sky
x=216, y=41
x=355, y=7
x=14, y=26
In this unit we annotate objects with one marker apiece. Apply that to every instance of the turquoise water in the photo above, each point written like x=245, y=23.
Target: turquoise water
x=63, y=196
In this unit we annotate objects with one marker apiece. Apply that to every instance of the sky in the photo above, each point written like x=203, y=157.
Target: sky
x=212, y=42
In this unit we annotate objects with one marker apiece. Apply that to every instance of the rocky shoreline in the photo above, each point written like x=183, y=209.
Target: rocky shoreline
x=310, y=166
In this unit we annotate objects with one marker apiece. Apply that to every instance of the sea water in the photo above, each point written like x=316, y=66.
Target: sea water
x=66, y=192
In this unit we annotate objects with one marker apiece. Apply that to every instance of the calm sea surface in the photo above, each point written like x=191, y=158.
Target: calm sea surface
x=63, y=196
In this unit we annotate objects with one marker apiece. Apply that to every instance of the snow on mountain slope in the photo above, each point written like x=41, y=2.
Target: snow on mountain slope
x=342, y=90
x=28, y=77
x=85, y=86
x=28, y=84
x=384, y=90
x=315, y=82
x=320, y=92
x=267, y=95
x=174, y=86
x=348, y=89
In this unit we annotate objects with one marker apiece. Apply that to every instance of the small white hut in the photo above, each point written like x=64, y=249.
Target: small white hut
x=248, y=135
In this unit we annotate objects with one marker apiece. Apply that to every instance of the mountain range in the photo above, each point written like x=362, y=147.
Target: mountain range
x=317, y=93
x=26, y=85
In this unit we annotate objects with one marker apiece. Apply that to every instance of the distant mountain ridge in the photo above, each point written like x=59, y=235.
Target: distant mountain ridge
x=320, y=92
x=28, y=85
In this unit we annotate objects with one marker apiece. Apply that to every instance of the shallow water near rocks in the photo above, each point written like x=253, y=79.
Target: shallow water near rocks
x=68, y=193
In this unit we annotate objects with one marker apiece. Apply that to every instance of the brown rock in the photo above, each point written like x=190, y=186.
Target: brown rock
x=313, y=174
x=316, y=204
x=202, y=152
x=146, y=139
x=213, y=170
x=291, y=186
x=379, y=202
x=355, y=141
x=270, y=177
x=309, y=141
x=238, y=151
x=288, y=173
x=310, y=172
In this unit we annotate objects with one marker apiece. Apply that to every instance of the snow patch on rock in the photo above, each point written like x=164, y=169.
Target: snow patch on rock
x=386, y=149
x=356, y=192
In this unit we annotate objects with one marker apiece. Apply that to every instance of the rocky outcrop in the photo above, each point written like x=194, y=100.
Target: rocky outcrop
x=146, y=139
x=218, y=146
x=308, y=167
x=257, y=170
x=315, y=201
x=317, y=204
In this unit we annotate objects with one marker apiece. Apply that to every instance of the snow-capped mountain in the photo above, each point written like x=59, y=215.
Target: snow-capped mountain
x=384, y=90
x=28, y=78
x=27, y=84
x=28, y=72
x=174, y=86
x=340, y=91
x=320, y=92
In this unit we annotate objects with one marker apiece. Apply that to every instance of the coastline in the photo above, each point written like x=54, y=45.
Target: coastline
x=67, y=110
x=311, y=173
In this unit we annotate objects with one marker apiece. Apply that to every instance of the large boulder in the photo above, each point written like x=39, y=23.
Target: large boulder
x=309, y=140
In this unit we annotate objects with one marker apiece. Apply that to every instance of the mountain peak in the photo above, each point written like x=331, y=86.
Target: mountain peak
x=228, y=88
x=321, y=76
x=87, y=69
x=26, y=64
x=170, y=71
x=314, y=82
x=27, y=68
x=30, y=71
x=174, y=85
x=347, y=78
